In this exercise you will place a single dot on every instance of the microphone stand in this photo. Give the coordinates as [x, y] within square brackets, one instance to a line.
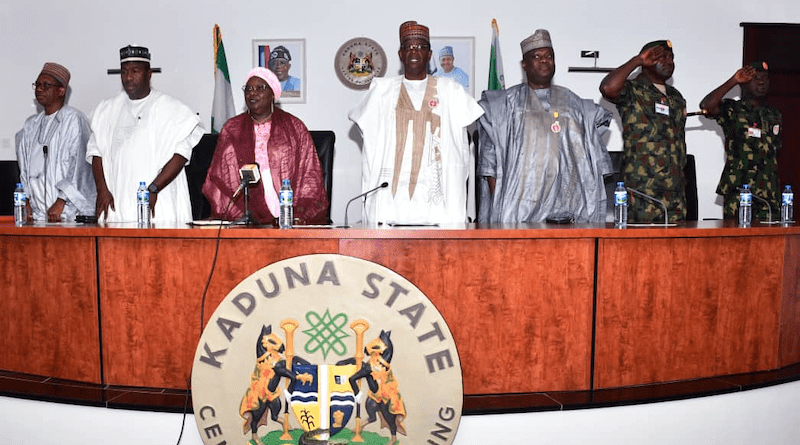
[363, 195]
[46, 209]
[246, 219]
[769, 207]
[666, 217]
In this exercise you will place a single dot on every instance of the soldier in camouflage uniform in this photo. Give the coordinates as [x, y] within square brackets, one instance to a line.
[752, 139]
[653, 121]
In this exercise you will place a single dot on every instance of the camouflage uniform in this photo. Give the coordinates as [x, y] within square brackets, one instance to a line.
[654, 149]
[749, 159]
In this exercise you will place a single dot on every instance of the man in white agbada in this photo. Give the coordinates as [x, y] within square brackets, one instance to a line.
[413, 128]
[142, 135]
[51, 152]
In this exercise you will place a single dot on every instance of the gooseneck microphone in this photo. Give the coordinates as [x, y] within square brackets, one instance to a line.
[46, 208]
[769, 207]
[363, 195]
[644, 195]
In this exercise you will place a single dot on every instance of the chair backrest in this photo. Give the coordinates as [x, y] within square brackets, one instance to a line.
[689, 172]
[9, 177]
[324, 141]
[203, 152]
[196, 171]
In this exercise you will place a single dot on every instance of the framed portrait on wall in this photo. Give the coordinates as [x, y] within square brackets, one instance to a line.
[287, 59]
[454, 57]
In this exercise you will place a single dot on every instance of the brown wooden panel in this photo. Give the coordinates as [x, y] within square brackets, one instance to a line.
[790, 305]
[520, 310]
[151, 290]
[675, 309]
[692, 301]
[49, 307]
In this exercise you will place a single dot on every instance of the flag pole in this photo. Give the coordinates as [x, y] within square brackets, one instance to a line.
[496, 77]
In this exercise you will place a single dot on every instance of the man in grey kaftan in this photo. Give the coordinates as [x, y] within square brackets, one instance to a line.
[541, 147]
[51, 148]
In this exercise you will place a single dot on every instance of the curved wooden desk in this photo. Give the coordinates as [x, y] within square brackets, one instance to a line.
[533, 308]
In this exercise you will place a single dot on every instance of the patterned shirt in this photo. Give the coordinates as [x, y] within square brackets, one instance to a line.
[654, 148]
[752, 141]
[262, 131]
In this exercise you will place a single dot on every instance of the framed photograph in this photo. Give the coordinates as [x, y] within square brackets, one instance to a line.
[454, 57]
[287, 59]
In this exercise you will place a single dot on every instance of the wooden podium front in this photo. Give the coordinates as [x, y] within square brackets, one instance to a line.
[533, 308]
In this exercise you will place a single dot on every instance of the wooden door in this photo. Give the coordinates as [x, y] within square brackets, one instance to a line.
[779, 45]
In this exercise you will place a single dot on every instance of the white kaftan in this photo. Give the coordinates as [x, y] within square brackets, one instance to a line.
[440, 194]
[136, 138]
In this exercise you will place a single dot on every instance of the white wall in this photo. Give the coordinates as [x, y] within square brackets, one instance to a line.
[762, 416]
[85, 36]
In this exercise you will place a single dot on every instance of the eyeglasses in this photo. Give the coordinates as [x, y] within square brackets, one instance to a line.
[44, 86]
[255, 88]
[418, 47]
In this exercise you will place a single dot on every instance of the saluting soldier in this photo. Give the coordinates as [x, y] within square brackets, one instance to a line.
[752, 131]
[653, 131]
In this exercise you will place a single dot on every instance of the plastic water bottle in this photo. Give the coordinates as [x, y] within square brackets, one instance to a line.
[787, 205]
[286, 198]
[745, 206]
[20, 211]
[143, 205]
[620, 206]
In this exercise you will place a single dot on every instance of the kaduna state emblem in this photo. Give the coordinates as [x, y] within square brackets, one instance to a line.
[326, 349]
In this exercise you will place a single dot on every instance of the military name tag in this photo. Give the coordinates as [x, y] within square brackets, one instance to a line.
[753, 132]
[662, 109]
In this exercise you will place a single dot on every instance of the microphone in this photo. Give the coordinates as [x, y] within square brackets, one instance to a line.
[45, 150]
[769, 207]
[383, 185]
[248, 174]
[666, 217]
[697, 113]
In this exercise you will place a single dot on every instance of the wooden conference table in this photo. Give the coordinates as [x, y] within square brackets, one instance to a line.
[533, 308]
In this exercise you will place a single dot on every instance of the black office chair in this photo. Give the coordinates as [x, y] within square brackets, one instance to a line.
[9, 177]
[203, 152]
[196, 171]
[324, 141]
[691, 185]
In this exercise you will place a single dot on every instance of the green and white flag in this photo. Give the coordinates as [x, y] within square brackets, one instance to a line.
[222, 108]
[496, 79]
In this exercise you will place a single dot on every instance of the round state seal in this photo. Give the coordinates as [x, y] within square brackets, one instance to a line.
[326, 349]
[358, 61]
